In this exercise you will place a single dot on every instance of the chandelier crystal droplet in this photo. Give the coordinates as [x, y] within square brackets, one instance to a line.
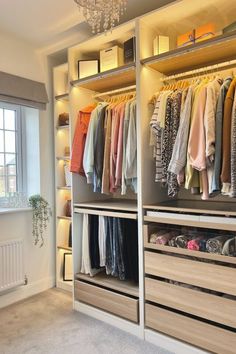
[102, 15]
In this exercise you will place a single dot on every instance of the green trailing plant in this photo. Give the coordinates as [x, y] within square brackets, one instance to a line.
[41, 214]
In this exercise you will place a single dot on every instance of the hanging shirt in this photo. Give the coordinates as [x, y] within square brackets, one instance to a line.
[157, 133]
[218, 143]
[116, 114]
[131, 148]
[125, 182]
[226, 144]
[192, 175]
[99, 150]
[233, 151]
[88, 160]
[107, 148]
[79, 140]
[118, 171]
[179, 156]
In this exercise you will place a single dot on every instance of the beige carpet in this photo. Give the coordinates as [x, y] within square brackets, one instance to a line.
[46, 323]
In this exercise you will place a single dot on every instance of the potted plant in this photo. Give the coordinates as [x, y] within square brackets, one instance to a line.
[41, 214]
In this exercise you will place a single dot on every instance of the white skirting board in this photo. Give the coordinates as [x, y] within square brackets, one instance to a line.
[26, 291]
[115, 321]
[173, 345]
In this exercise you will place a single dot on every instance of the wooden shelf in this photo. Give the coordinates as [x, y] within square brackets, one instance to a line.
[209, 52]
[64, 158]
[62, 97]
[197, 207]
[107, 80]
[187, 252]
[64, 188]
[64, 218]
[109, 282]
[110, 204]
[66, 248]
[61, 127]
[198, 223]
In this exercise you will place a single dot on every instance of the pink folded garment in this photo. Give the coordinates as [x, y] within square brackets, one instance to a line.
[194, 244]
[154, 235]
[163, 239]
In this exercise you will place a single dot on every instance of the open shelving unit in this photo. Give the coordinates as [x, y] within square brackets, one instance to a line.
[211, 51]
[63, 192]
[162, 307]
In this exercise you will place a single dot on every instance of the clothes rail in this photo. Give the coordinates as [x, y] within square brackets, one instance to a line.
[214, 67]
[113, 214]
[113, 92]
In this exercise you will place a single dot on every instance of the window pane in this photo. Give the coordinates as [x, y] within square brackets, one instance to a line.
[1, 118]
[2, 186]
[10, 159]
[10, 142]
[9, 119]
[11, 184]
[1, 141]
[2, 167]
[11, 170]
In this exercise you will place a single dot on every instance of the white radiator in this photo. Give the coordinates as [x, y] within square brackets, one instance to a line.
[11, 264]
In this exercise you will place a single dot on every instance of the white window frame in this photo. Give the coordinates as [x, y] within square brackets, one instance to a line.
[20, 145]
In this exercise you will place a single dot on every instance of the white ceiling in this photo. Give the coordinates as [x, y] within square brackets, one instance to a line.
[44, 22]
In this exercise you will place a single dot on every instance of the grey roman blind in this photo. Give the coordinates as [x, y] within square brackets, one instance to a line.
[25, 92]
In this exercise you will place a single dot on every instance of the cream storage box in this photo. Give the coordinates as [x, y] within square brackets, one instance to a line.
[161, 44]
[87, 68]
[111, 58]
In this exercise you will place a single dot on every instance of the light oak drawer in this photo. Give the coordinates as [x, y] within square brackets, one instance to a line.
[211, 307]
[206, 275]
[107, 300]
[198, 333]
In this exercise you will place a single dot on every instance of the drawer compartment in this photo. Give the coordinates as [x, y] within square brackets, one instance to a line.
[205, 275]
[210, 307]
[107, 300]
[198, 333]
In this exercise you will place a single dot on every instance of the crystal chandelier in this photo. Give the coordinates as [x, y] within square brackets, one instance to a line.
[102, 14]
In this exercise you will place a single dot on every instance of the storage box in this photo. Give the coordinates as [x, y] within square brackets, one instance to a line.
[87, 68]
[186, 39]
[111, 58]
[129, 50]
[161, 44]
[205, 32]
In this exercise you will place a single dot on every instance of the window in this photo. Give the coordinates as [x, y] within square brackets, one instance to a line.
[11, 171]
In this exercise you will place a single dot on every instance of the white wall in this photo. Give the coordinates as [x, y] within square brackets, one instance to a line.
[21, 59]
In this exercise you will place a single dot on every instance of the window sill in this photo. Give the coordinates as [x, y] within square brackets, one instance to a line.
[13, 210]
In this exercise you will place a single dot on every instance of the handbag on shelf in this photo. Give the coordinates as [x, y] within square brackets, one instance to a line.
[63, 119]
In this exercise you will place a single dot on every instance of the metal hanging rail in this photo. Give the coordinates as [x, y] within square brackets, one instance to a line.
[114, 92]
[214, 67]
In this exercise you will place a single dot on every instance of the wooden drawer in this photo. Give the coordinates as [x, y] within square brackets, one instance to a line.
[211, 307]
[107, 300]
[198, 333]
[206, 275]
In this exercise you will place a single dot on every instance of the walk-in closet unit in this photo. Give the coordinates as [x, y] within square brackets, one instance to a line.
[184, 297]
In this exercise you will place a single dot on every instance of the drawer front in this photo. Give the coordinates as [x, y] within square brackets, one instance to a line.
[206, 275]
[211, 307]
[117, 304]
[189, 330]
